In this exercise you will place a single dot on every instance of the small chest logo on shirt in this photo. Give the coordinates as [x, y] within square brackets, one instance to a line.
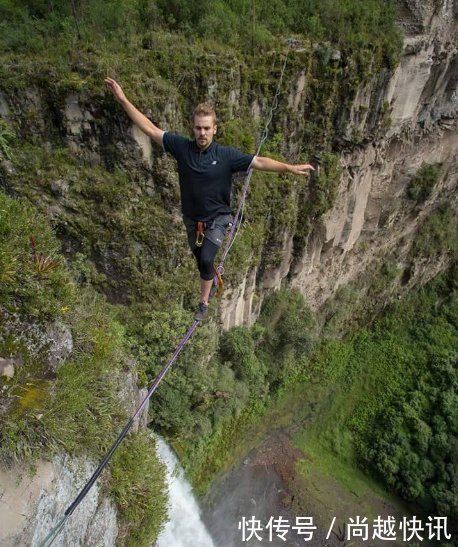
[214, 162]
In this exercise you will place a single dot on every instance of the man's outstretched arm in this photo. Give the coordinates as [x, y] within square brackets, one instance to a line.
[139, 119]
[262, 163]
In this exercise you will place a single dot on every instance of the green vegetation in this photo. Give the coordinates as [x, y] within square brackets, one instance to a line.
[359, 302]
[365, 298]
[7, 138]
[24, 287]
[415, 454]
[218, 385]
[105, 220]
[266, 360]
[115, 209]
[180, 45]
[118, 218]
[75, 405]
[199, 401]
[136, 483]
[355, 386]
[422, 184]
[365, 25]
[136, 243]
[198, 405]
[437, 235]
[80, 404]
[318, 198]
[393, 390]
[84, 403]
[188, 398]
[415, 450]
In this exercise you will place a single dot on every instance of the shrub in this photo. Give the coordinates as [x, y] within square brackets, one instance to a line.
[366, 25]
[138, 486]
[421, 186]
[237, 347]
[25, 286]
[7, 138]
[437, 234]
[412, 454]
[220, 23]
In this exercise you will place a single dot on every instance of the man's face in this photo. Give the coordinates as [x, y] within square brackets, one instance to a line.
[204, 130]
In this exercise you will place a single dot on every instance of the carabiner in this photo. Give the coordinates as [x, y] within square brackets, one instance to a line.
[199, 233]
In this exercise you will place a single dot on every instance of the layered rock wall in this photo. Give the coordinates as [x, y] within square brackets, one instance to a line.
[31, 507]
[414, 111]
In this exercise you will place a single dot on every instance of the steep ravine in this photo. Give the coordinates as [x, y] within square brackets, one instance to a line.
[397, 123]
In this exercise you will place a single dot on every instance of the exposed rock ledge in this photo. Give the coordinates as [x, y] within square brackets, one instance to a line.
[31, 506]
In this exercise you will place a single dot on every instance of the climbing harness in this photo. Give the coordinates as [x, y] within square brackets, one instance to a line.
[49, 539]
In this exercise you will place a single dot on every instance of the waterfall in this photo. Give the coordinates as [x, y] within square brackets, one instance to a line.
[185, 527]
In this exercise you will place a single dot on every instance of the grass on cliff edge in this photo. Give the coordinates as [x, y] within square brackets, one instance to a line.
[365, 25]
[73, 406]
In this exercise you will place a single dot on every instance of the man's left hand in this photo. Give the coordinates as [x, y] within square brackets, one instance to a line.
[267, 164]
[303, 169]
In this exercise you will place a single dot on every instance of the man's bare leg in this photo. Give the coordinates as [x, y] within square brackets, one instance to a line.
[205, 287]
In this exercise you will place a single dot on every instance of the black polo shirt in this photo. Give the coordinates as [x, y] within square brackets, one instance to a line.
[205, 175]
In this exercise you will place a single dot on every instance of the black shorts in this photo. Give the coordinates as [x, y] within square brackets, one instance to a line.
[215, 229]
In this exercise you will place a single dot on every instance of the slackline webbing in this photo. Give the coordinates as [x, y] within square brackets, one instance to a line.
[49, 539]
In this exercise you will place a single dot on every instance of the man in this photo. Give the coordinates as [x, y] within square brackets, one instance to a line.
[205, 171]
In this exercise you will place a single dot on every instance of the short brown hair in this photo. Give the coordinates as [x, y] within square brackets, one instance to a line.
[204, 109]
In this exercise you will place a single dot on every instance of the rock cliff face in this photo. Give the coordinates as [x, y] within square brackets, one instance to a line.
[31, 507]
[412, 114]
[396, 122]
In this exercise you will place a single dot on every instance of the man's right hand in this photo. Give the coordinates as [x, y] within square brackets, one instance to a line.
[139, 119]
[116, 89]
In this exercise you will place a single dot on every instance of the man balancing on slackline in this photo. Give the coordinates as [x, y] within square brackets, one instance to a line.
[205, 171]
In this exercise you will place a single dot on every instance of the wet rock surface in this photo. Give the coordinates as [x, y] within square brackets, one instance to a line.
[266, 484]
